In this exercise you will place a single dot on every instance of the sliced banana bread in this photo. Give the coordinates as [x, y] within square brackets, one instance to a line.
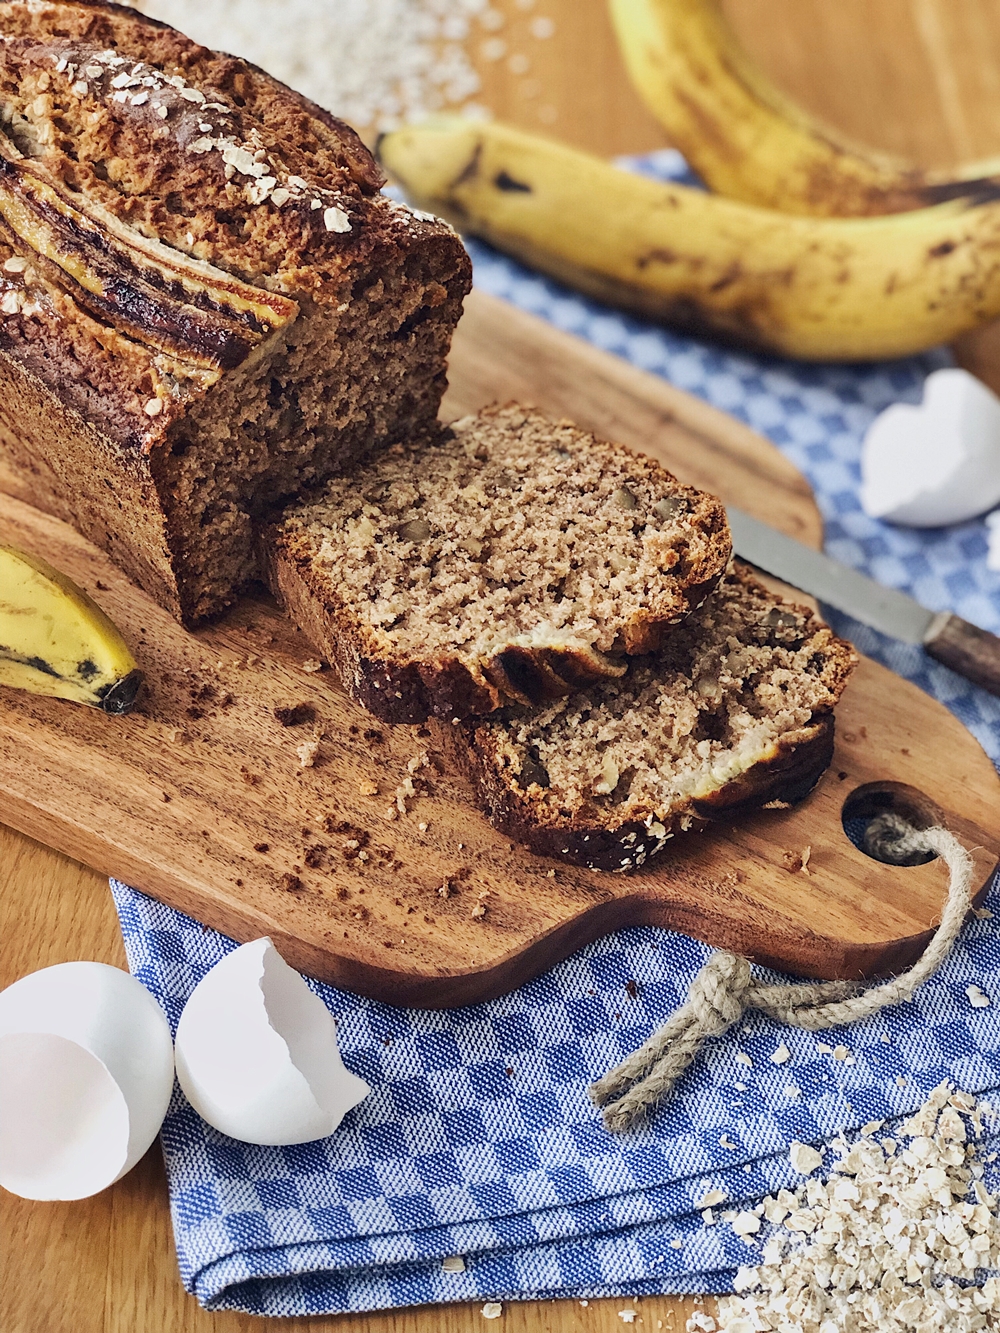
[206, 305]
[734, 712]
[511, 558]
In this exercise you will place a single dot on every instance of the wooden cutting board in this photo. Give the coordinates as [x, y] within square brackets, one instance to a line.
[200, 799]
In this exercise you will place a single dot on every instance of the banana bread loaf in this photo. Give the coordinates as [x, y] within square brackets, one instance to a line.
[206, 305]
[734, 712]
[512, 558]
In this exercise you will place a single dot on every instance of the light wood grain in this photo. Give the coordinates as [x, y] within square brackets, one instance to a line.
[107, 1265]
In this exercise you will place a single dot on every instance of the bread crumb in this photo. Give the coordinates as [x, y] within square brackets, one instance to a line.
[479, 910]
[492, 1310]
[308, 752]
[781, 1056]
[311, 665]
[454, 1263]
[293, 715]
[367, 788]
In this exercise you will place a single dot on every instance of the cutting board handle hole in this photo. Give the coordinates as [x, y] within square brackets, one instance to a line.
[879, 798]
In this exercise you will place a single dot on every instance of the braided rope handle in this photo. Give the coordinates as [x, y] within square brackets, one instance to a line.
[725, 989]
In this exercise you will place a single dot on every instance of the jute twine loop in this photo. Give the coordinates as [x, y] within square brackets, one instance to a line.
[725, 988]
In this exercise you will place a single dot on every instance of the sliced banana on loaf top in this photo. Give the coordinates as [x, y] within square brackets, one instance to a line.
[512, 558]
[735, 712]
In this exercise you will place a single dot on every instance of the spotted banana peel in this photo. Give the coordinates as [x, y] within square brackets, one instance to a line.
[747, 140]
[830, 289]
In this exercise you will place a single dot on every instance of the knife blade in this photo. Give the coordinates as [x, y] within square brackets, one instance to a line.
[965, 648]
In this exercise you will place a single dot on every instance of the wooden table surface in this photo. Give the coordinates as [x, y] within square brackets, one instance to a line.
[918, 76]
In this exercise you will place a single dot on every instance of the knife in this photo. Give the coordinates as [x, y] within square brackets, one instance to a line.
[974, 653]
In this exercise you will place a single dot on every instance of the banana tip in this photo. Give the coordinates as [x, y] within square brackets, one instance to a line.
[121, 696]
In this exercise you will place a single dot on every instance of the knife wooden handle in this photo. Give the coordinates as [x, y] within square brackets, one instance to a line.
[973, 652]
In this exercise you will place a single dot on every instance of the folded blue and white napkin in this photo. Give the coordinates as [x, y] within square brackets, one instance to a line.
[478, 1138]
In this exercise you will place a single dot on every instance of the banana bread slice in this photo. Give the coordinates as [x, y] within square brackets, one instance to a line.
[512, 558]
[206, 305]
[736, 711]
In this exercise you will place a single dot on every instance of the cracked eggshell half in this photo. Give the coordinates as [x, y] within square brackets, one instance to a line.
[257, 1052]
[86, 1072]
[936, 464]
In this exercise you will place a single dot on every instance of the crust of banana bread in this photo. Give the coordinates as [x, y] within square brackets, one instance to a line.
[206, 305]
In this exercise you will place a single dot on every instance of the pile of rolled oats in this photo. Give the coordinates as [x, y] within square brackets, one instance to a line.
[376, 63]
[899, 1236]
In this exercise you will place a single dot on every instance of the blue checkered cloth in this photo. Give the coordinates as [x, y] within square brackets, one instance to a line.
[478, 1138]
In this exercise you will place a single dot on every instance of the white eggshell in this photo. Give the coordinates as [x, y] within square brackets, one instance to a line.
[936, 464]
[86, 1072]
[993, 541]
[257, 1052]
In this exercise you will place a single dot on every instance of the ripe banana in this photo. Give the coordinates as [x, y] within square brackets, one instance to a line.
[817, 288]
[54, 640]
[747, 140]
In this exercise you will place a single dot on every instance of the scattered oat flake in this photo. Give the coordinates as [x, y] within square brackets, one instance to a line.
[742, 1059]
[977, 998]
[983, 913]
[676, 1243]
[804, 1158]
[840, 1052]
[712, 1198]
[889, 1242]
[492, 1310]
[746, 1224]
[726, 1142]
[335, 219]
[627, 1316]
[453, 1264]
[781, 1056]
